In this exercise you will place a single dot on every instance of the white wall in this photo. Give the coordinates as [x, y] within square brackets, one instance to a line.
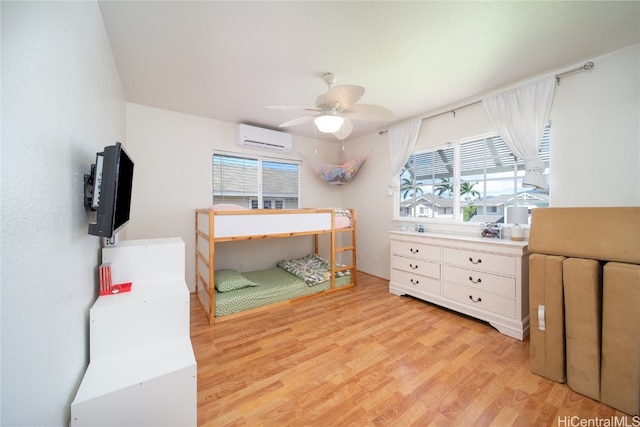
[173, 153]
[62, 101]
[595, 145]
[367, 193]
[595, 149]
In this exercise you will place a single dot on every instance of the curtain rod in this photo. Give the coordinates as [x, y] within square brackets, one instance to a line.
[453, 110]
[586, 67]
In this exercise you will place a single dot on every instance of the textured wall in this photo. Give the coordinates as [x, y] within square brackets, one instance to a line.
[62, 101]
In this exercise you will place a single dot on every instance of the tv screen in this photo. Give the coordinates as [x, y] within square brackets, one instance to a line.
[111, 180]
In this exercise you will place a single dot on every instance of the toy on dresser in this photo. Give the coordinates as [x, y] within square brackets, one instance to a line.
[491, 229]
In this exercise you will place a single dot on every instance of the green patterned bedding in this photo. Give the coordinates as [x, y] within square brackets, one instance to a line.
[275, 285]
[313, 269]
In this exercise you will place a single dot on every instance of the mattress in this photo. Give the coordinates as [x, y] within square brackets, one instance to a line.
[620, 385]
[547, 316]
[603, 233]
[342, 218]
[583, 314]
[276, 285]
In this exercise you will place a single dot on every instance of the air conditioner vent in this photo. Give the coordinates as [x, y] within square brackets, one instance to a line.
[264, 139]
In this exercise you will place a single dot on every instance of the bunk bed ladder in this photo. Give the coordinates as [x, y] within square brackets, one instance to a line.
[352, 247]
[333, 251]
[208, 261]
[212, 271]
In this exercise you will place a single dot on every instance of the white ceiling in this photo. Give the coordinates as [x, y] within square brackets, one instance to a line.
[228, 60]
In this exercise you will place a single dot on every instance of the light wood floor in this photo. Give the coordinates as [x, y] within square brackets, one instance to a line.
[364, 357]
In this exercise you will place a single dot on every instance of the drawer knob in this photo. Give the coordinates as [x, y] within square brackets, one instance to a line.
[479, 261]
[413, 267]
[475, 300]
[415, 282]
[414, 251]
[475, 281]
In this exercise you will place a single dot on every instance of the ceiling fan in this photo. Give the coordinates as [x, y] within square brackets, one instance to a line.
[337, 107]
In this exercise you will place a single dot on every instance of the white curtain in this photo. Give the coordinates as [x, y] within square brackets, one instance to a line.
[520, 116]
[402, 141]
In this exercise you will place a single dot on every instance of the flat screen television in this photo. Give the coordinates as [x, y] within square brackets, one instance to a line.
[108, 190]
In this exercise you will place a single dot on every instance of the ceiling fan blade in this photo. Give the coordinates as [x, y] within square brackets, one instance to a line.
[345, 130]
[344, 96]
[292, 107]
[369, 112]
[297, 121]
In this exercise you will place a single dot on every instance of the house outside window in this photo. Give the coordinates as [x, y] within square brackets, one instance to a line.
[473, 180]
[256, 182]
[268, 204]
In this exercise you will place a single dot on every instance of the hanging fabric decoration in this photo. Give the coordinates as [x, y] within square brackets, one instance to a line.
[340, 174]
[337, 174]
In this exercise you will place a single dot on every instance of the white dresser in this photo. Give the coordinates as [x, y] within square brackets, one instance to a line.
[481, 277]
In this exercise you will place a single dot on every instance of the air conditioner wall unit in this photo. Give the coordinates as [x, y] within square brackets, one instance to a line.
[264, 139]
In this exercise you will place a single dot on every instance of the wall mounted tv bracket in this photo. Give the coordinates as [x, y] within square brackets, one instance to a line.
[93, 184]
[90, 190]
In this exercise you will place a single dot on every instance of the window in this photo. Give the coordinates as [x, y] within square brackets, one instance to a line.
[473, 181]
[257, 183]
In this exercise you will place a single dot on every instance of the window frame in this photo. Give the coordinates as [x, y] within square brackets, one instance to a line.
[457, 220]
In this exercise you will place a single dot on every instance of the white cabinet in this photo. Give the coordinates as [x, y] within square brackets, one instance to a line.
[483, 278]
[142, 370]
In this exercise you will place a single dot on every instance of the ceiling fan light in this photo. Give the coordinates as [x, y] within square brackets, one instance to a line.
[328, 123]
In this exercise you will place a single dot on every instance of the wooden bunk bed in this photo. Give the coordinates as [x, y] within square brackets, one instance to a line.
[275, 286]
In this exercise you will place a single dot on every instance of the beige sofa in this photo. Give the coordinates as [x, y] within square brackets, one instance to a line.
[584, 286]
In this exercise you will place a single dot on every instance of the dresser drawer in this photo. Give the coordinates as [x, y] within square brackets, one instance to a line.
[491, 263]
[416, 250]
[480, 280]
[480, 299]
[416, 266]
[412, 280]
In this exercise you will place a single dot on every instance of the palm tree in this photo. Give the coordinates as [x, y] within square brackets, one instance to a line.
[408, 185]
[467, 190]
[445, 186]
[408, 188]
